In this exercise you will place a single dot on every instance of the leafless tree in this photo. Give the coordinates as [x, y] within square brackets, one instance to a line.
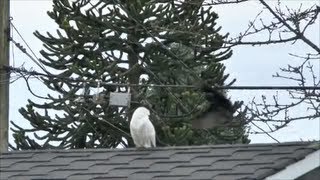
[288, 25]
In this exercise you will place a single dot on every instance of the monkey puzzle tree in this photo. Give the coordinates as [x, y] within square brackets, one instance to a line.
[126, 42]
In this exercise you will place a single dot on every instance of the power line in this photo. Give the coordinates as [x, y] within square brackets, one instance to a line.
[22, 49]
[14, 27]
[35, 73]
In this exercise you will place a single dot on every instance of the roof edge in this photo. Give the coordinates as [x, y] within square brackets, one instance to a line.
[297, 169]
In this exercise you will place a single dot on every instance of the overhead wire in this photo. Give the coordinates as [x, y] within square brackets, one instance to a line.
[25, 42]
[33, 57]
[36, 73]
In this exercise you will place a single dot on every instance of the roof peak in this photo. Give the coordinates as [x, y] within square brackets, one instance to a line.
[314, 144]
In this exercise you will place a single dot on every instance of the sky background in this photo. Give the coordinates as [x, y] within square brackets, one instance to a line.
[251, 66]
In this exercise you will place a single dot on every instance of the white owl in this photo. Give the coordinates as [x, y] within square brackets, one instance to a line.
[141, 129]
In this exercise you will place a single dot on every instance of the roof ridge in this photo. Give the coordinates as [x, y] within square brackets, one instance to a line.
[313, 144]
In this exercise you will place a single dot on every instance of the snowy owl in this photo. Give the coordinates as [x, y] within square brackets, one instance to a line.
[141, 129]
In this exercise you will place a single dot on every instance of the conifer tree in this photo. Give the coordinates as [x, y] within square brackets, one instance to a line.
[126, 42]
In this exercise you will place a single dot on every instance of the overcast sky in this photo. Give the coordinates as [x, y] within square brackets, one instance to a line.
[249, 65]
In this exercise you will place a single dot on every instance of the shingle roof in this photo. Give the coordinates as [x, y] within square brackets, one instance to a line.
[253, 161]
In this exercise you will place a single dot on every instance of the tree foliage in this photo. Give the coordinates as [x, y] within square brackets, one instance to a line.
[127, 42]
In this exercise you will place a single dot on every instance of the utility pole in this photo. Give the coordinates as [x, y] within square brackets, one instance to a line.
[4, 74]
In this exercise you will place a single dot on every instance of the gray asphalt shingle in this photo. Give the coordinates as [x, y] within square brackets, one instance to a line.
[253, 161]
